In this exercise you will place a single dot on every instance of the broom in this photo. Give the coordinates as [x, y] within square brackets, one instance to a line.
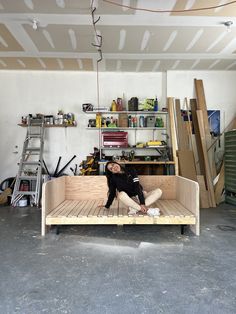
[6, 193]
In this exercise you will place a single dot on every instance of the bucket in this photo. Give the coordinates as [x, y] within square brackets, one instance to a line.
[23, 202]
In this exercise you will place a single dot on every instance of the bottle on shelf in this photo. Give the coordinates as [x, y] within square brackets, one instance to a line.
[119, 104]
[129, 121]
[113, 105]
[156, 104]
[141, 121]
[98, 120]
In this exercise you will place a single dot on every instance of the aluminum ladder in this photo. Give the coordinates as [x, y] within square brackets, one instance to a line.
[30, 166]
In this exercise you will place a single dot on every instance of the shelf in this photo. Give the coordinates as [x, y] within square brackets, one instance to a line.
[141, 162]
[125, 128]
[128, 112]
[52, 125]
[123, 148]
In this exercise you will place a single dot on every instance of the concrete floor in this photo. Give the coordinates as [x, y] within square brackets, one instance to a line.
[115, 270]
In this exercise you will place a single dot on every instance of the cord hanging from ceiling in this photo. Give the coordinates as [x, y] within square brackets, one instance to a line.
[169, 11]
[98, 44]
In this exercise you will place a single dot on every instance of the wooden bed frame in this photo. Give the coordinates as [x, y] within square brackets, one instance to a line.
[75, 200]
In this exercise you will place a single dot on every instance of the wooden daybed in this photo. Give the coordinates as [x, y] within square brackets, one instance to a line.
[75, 200]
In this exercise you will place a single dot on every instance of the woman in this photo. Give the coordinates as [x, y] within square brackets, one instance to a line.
[126, 183]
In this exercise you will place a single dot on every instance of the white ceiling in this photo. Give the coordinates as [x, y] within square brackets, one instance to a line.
[132, 39]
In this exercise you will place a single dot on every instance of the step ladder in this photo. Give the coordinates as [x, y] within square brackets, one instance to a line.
[29, 177]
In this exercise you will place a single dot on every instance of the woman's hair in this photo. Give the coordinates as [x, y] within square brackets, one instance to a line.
[109, 174]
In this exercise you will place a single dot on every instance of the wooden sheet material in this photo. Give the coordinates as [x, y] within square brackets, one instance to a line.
[170, 102]
[201, 103]
[182, 132]
[187, 167]
[209, 180]
[220, 184]
[193, 104]
[204, 197]
[90, 212]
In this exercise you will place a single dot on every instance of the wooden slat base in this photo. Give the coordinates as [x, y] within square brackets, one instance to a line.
[88, 212]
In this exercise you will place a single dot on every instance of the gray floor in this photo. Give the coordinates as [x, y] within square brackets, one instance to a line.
[109, 269]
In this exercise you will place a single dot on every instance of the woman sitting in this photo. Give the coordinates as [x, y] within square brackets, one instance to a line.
[124, 183]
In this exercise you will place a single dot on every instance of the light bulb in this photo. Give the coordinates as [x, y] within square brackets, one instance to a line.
[35, 25]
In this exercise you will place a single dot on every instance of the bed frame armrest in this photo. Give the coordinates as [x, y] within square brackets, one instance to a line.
[187, 193]
[53, 193]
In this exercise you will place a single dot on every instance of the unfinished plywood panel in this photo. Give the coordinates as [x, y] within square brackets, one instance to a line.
[220, 184]
[204, 197]
[165, 183]
[187, 164]
[170, 102]
[201, 105]
[187, 193]
[193, 104]
[182, 135]
[206, 160]
[86, 187]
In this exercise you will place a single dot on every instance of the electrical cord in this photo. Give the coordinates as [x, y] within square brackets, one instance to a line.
[169, 11]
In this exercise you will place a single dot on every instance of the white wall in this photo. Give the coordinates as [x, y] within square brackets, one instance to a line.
[33, 92]
[219, 87]
[46, 92]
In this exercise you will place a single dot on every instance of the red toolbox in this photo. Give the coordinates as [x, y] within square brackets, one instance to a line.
[115, 139]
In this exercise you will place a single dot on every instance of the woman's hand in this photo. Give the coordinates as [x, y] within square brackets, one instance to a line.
[143, 208]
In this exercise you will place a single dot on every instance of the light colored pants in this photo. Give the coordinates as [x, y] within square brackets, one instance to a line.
[150, 198]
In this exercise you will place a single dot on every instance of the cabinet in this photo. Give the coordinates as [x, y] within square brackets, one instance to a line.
[143, 137]
[230, 167]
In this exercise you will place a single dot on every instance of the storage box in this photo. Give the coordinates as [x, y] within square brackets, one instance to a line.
[150, 121]
[123, 120]
[115, 139]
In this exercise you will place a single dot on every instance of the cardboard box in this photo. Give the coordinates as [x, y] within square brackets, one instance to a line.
[123, 120]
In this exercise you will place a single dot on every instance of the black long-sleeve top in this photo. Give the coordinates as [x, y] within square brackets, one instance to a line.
[127, 182]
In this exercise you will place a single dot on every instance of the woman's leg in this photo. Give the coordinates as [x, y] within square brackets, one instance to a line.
[152, 197]
[126, 200]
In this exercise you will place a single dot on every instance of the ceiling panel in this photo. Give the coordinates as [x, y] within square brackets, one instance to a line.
[46, 64]
[132, 40]
[7, 40]
[62, 7]
[229, 10]
[59, 38]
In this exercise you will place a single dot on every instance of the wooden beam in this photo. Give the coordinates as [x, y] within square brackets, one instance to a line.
[201, 103]
[170, 103]
[220, 184]
[206, 160]
[193, 104]
[182, 134]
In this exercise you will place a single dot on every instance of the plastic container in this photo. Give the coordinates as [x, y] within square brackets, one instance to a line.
[23, 202]
[113, 106]
[141, 121]
[156, 104]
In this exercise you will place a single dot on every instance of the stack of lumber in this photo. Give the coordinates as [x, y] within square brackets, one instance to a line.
[195, 150]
